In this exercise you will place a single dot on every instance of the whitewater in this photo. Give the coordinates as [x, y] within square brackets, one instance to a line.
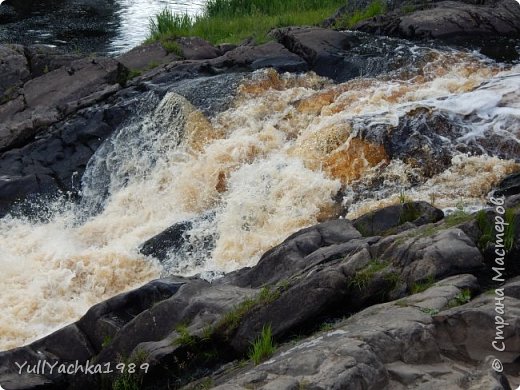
[286, 154]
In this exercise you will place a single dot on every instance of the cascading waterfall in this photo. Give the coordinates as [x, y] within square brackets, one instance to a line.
[274, 162]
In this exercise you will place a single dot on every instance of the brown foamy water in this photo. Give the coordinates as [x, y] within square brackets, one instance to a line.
[268, 166]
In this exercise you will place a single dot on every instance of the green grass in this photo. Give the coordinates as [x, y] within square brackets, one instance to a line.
[263, 347]
[131, 380]
[457, 218]
[126, 382]
[409, 213]
[233, 21]
[362, 278]
[326, 327]
[430, 311]
[106, 341]
[184, 336]
[461, 298]
[486, 228]
[423, 285]
[376, 7]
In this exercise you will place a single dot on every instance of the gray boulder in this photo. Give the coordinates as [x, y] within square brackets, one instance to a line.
[384, 220]
[48, 98]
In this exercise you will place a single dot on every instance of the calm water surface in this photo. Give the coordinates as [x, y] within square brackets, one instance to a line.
[106, 26]
[134, 16]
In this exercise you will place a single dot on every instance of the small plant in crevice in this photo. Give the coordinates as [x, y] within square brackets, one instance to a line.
[184, 337]
[409, 213]
[457, 218]
[486, 228]
[433, 198]
[232, 318]
[326, 326]
[403, 198]
[263, 347]
[268, 295]
[106, 341]
[461, 298]
[429, 311]
[132, 376]
[402, 303]
[394, 279]
[423, 285]
[362, 278]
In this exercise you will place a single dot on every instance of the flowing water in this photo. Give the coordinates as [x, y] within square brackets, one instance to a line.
[288, 152]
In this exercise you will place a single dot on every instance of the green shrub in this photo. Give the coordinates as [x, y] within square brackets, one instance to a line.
[263, 347]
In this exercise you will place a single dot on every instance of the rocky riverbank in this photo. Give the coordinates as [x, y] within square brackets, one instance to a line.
[409, 303]
[401, 297]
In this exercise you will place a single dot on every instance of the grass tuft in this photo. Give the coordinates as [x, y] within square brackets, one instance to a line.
[263, 347]
[423, 285]
[461, 298]
[184, 338]
[362, 278]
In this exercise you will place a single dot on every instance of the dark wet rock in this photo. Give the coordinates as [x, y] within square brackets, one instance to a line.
[210, 94]
[44, 59]
[324, 50]
[169, 240]
[269, 54]
[449, 20]
[225, 47]
[465, 332]
[393, 345]
[429, 252]
[13, 188]
[14, 71]
[7, 13]
[146, 56]
[50, 97]
[54, 163]
[194, 48]
[383, 220]
[104, 320]
[282, 261]
[509, 186]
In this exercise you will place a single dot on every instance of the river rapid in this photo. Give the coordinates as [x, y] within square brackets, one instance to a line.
[291, 150]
